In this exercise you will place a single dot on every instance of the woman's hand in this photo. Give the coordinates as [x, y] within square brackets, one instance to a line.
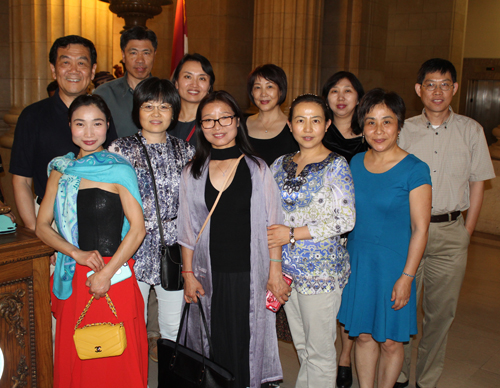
[279, 288]
[277, 236]
[192, 287]
[401, 292]
[99, 284]
[91, 259]
[53, 258]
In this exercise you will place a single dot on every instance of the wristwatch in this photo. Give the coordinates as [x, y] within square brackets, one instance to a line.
[292, 237]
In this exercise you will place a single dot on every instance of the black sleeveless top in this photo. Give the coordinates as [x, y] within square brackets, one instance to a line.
[335, 142]
[271, 149]
[100, 221]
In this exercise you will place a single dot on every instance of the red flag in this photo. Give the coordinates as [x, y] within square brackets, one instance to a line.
[180, 43]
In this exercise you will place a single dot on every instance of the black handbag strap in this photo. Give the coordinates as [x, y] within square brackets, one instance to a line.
[155, 192]
[185, 313]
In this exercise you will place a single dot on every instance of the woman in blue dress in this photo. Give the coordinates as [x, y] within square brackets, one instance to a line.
[317, 198]
[393, 207]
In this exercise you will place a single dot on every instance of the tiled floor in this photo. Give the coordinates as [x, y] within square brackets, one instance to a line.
[473, 353]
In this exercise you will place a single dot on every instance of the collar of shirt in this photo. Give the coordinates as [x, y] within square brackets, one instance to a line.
[427, 123]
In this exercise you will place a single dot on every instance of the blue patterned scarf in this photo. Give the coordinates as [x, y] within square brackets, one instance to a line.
[101, 166]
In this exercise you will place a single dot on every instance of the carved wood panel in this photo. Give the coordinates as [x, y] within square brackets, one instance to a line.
[17, 328]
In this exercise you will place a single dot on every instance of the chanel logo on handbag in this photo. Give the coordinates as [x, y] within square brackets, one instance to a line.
[110, 337]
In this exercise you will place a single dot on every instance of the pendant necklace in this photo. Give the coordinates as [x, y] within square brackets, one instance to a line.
[223, 172]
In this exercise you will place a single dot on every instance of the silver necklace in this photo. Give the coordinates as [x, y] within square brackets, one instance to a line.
[223, 172]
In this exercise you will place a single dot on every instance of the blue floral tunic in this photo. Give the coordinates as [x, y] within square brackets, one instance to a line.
[321, 197]
[167, 159]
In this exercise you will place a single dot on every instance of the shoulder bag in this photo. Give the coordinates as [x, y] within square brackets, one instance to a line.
[179, 366]
[170, 255]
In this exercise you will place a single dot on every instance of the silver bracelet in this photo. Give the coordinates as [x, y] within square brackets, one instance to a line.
[410, 276]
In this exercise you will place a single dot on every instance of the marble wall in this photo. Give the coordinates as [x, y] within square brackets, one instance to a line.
[419, 30]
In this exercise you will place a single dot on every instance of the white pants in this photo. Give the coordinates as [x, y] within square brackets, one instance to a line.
[169, 309]
[313, 324]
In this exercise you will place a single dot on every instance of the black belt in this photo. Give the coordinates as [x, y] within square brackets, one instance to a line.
[446, 217]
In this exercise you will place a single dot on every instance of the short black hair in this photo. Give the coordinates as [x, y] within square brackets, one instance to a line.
[156, 89]
[86, 100]
[272, 73]
[436, 65]
[203, 146]
[379, 96]
[310, 98]
[358, 87]
[205, 65]
[65, 41]
[138, 33]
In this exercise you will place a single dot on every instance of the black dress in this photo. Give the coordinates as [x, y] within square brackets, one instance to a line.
[335, 142]
[272, 149]
[184, 130]
[230, 261]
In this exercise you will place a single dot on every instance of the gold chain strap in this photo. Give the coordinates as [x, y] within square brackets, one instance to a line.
[84, 312]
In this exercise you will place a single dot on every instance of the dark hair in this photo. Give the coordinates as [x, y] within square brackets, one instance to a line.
[379, 96]
[87, 100]
[156, 89]
[272, 73]
[52, 87]
[309, 98]
[203, 146]
[358, 87]
[138, 33]
[436, 65]
[65, 41]
[205, 65]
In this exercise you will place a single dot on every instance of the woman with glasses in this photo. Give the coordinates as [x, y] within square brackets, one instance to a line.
[230, 266]
[267, 130]
[156, 108]
[193, 78]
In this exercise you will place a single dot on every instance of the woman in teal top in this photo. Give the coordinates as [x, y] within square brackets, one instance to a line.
[393, 207]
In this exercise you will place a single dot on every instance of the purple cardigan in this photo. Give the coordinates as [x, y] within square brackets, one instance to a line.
[265, 210]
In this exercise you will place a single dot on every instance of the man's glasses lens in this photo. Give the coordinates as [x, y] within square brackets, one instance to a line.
[445, 86]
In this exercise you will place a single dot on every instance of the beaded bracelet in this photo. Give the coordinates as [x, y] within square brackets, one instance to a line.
[410, 276]
[187, 272]
[276, 260]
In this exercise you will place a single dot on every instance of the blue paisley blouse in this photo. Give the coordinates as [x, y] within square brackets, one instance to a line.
[167, 159]
[321, 197]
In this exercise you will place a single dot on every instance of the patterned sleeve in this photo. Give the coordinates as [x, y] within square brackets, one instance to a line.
[341, 216]
[116, 147]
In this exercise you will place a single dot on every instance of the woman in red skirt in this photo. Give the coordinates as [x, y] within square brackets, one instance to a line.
[95, 201]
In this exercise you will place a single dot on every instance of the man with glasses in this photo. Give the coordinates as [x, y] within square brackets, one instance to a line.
[455, 149]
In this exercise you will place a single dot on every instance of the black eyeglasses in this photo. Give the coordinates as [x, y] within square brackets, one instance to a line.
[224, 121]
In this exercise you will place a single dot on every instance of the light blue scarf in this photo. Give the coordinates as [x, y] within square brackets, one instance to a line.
[101, 166]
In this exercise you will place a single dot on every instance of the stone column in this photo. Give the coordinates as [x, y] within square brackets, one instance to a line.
[34, 27]
[288, 33]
